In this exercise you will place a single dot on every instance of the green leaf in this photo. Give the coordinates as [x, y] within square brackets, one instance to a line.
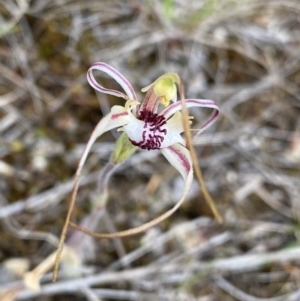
[123, 149]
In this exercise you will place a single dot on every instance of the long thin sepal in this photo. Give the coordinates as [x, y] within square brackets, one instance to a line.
[180, 158]
[177, 106]
[116, 118]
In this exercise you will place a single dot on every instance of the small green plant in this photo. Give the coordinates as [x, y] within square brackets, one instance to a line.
[168, 8]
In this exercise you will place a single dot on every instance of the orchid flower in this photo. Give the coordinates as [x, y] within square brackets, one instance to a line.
[144, 127]
[147, 129]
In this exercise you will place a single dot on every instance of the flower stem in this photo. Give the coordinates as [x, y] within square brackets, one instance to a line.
[190, 146]
[100, 203]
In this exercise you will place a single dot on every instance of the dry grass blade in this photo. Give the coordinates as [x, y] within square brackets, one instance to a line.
[198, 173]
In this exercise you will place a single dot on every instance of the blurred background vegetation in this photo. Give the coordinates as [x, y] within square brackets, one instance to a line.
[243, 54]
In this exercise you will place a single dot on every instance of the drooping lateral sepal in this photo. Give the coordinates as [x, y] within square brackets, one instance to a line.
[180, 158]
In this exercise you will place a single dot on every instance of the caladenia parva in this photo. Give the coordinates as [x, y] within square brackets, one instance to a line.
[146, 127]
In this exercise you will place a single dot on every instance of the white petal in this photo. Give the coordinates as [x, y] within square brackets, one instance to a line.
[116, 118]
[174, 129]
[175, 122]
[134, 128]
[171, 137]
[138, 131]
[179, 156]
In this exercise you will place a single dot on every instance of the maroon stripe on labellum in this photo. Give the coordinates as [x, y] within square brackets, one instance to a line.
[182, 159]
[153, 125]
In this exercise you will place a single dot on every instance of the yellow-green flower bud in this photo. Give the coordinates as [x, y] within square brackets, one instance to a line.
[165, 88]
